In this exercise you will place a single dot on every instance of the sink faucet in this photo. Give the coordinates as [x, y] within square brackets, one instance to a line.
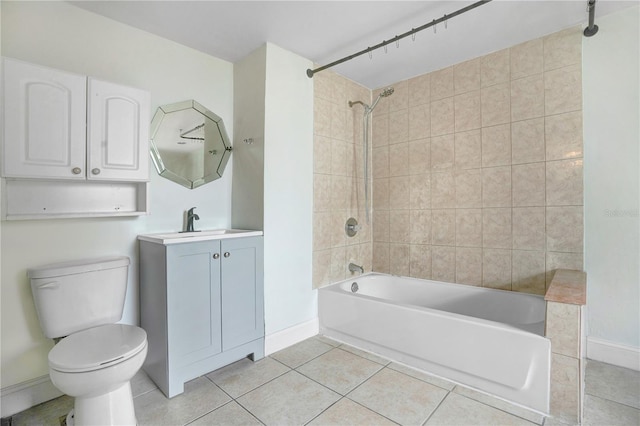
[190, 218]
[356, 268]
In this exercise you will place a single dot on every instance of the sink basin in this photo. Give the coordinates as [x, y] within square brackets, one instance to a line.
[183, 237]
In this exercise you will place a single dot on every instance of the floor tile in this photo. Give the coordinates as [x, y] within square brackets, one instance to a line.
[291, 399]
[529, 415]
[364, 354]
[399, 397]
[553, 421]
[141, 383]
[346, 412]
[245, 375]
[200, 397]
[296, 355]
[614, 383]
[229, 414]
[598, 412]
[425, 377]
[47, 413]
[459, 410]
[339, 370]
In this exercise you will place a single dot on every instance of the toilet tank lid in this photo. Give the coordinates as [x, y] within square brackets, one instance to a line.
[78, 267]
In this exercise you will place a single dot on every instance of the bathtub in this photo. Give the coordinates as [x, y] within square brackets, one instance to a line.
[489, 340]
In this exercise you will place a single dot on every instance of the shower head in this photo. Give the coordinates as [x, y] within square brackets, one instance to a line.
[386, 92]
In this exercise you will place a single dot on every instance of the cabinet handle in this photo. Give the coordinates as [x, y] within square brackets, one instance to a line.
[95, 171]
[76, 170]
[216, 255]
[227, 254]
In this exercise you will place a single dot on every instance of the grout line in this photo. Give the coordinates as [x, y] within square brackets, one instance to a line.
[436, 409]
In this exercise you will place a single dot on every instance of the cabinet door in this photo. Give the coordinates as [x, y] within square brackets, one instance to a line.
[117, 132]
[44, 122]
[242, 291]
[193, 301]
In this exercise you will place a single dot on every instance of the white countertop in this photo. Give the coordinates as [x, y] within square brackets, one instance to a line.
[189, 237]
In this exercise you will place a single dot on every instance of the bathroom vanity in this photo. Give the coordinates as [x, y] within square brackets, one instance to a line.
[201, 303]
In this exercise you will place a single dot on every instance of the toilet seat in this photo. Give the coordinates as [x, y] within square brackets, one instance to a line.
[97, 348]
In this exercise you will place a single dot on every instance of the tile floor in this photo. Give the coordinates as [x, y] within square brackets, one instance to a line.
[322, 382]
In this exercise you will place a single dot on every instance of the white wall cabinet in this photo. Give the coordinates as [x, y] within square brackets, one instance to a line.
[61, 128]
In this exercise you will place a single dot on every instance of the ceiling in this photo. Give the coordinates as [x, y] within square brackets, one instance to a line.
[324, 31]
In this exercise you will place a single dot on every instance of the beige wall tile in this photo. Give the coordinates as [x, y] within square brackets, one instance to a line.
[338, 122]
[496, 228]
[321, 154]
[565, 388]
[467, 109]
[496, 145]
[528, 271]
[495, 68]
[380, 162]
[321, 268]
[528, 228]
[338, 85]
[419, 156]
[527, 98]
[322, 117]
[563, 48]
[528, 184]
[496, 186]
[442, 152]
[420, 191]
[469, 266]
[420, 121]
[322, 85]
[350, 155]
[399, 100]
[468, 149]
[563, 135]
[526, 59]
[528, 141]
[420, 227]
[339, 192]
[380, 130]
[420, 261]
[468, 227]
[338, 157]
[466, 76]
[399, 259]
[496, 268]
[443, 190]
[398, 126]
[420, 90]
[564, 183]
[496, 104]
[338, 264]
[442, 116]
[399, 193]
[381, 257]
[557, 260]
[399, 227]
[380, 194]
[563, 90]
[563, 328]
[321, 230]
[443, 227]
[468, 188]
[443, 263]
[381, 225]
[321, 192]
[565, 229]
[336, 230]
[399, 159]
[442, 83]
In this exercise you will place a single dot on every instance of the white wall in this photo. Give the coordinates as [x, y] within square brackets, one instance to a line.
[612, 183]
[288, 191]
[59, 35]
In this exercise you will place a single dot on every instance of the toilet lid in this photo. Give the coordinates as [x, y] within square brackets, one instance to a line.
[97, 347]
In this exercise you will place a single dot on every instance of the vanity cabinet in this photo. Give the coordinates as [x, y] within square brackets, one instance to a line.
[201, 306]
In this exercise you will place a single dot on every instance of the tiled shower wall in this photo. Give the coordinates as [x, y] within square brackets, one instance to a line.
[477, 169]
[338, 184]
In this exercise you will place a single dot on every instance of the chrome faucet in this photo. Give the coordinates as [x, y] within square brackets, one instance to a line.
[356, 268]
[191, 216]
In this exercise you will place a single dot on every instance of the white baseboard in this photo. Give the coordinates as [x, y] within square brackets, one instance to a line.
[290, 336]
[22, 396]
[613, 353]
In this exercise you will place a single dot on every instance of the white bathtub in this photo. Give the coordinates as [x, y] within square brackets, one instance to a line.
[490, 340]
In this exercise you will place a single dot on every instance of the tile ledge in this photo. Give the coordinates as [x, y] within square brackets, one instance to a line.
[568, 286]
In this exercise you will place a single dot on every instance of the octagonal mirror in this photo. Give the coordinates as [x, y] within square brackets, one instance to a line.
[189, 144]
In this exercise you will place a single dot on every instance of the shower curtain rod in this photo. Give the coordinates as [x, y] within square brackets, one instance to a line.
[445, 18]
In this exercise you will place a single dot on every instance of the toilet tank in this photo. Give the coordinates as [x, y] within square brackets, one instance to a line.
[77, 295]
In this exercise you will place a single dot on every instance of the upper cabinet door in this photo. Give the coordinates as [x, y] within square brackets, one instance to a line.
[117, 132]
[44, 122]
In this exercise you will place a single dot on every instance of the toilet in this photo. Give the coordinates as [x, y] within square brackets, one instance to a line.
[94, 359]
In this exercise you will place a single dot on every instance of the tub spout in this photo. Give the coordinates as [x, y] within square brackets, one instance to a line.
[356, 268]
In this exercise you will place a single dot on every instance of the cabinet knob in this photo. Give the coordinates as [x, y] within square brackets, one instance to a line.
[216, 255]
[95, 171]
[227, 254]
[76, 170]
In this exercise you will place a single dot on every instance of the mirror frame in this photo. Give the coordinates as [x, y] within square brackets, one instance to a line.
[156, 125]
